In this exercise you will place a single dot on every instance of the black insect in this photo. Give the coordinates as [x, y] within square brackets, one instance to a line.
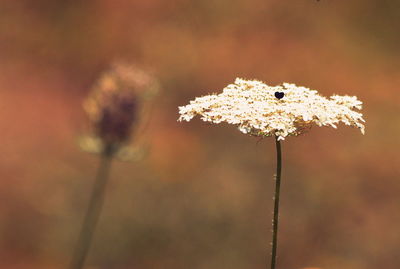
[279, 95]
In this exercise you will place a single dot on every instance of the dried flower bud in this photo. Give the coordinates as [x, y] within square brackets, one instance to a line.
[115, 104]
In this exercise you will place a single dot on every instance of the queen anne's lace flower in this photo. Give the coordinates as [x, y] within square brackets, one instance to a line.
[281, 111]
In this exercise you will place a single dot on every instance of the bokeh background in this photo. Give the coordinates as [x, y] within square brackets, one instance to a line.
[202, 196]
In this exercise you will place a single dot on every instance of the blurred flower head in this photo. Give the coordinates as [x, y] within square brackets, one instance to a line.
[284, 110]
[114, 107]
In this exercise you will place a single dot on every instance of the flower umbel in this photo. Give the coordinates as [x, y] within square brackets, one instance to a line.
[281, 111]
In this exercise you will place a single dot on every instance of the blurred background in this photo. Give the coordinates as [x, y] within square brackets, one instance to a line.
[202, 196]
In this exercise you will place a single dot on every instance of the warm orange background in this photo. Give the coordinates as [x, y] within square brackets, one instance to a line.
[202, 198]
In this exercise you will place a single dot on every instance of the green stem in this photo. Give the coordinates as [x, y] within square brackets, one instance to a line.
[276, 202]
[93, 212]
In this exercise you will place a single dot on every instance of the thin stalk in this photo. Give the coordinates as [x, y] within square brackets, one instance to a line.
[93, 212]
[276, 202]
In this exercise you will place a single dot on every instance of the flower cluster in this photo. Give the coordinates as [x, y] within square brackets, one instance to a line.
[281, 111]
[114, 105]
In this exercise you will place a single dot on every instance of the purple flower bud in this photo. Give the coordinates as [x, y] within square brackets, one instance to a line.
[115, 103]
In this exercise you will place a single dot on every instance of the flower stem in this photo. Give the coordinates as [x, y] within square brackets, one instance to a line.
[93, 212]
[276, 202]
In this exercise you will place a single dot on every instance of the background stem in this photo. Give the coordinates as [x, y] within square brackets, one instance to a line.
[276, 202]
[93, 212]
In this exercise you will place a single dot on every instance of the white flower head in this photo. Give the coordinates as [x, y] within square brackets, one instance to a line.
[284, 110]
